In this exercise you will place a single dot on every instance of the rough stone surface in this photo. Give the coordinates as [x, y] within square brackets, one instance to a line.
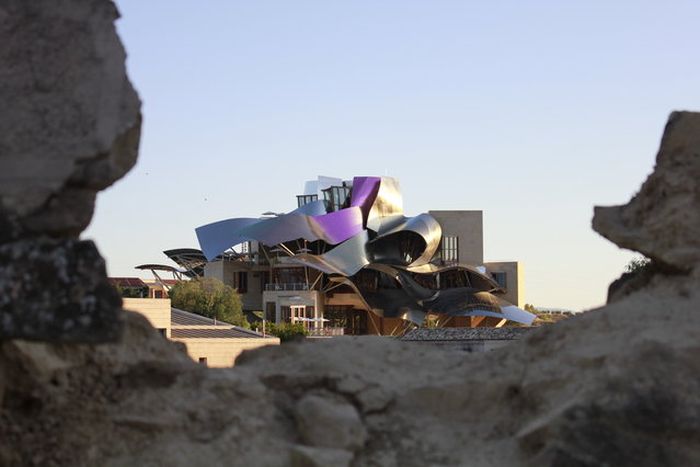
[56, 288]
[69, 127]
[663, 220]
[70, 122]
[305, 456]
[329, 422]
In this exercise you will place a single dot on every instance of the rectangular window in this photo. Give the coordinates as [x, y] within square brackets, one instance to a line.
[163, 332]
[450, 249]
[337, 197]
[306, 199]
[501, 279]
[286, 314]
[264, 279]
[203, 361]
[270, 311]
[240, 281]
[157, 294]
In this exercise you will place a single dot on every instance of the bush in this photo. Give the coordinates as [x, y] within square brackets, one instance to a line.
[287, 331]
[209, 297]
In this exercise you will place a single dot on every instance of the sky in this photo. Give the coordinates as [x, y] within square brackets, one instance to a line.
[533, 112]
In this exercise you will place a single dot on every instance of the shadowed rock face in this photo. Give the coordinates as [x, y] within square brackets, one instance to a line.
[69, 127]
[617, 386]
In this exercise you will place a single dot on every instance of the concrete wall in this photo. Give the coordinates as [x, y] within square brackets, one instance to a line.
[514, 280]
[222, 352]
[469, 227]
[156, 310]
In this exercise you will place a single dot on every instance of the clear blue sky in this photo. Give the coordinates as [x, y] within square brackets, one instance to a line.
[533, 112]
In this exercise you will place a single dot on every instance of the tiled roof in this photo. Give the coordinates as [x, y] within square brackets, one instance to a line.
[189, 325]
[465, 334]
[210, 333]
[184, 318]
[127, 282]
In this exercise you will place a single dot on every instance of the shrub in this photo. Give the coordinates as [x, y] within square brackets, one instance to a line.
[287, 331]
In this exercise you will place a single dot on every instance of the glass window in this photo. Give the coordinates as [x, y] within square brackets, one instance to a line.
[240, 281]
[450, 249]
[270, 311]
[501, 279]
[286, 314]
[306, 199]
[337, 197]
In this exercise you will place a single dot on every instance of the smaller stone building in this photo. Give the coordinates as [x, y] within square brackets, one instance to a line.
[210, 342]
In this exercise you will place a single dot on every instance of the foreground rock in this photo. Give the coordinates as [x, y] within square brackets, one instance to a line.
[69, 127]
[617, 386]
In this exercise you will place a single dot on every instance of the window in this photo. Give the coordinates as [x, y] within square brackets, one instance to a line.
[203, 361]
[240, 281]
[157, 294]
[245, 248]
[163, 332]
[500, 278]
[450, 249]
[306, 199]
[286, 314]
[337, 197]
[270, 311]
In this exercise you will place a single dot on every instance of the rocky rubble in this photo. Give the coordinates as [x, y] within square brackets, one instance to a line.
[617, 386]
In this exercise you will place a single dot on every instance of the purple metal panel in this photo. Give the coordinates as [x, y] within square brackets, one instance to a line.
[364, 192]
[336, 227]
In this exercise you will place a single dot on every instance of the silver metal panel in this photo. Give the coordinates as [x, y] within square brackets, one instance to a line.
[217, 237]
[423, 224]
[345, 259]
[388, 202]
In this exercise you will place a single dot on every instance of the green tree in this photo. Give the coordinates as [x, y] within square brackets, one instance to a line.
[209, 297]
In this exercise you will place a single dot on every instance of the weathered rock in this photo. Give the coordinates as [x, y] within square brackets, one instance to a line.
[54, 289]
[70, 127]
[663, 220]
[329, 422]
[70, 120]
[305, 456]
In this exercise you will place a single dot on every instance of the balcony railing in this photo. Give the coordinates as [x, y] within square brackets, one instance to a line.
[326, 331]
[286, 286]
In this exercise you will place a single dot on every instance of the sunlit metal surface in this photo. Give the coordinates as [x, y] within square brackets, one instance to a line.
[424, 225]
[345, 259]
[387, 203]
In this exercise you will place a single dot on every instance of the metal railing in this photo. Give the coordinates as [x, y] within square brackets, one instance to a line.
[326, 331]
[286, 286]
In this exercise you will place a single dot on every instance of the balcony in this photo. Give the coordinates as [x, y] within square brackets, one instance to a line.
[286, 286]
